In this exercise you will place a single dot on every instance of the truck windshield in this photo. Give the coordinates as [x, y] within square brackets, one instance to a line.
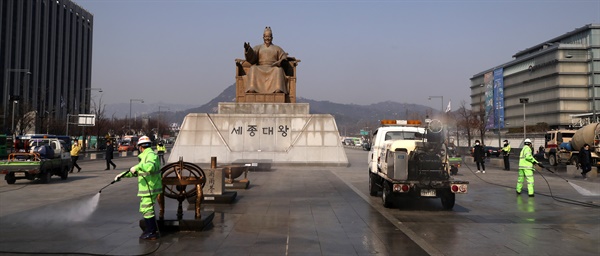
[402, 135]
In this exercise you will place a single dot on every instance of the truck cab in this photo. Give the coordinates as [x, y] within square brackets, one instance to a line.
[391, 131]
[555, 142]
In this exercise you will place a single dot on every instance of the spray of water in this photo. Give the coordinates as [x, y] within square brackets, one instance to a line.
[57, 214]
[582, 190]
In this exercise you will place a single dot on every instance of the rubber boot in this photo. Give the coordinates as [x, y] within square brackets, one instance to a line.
[146, 229]
[151, 231]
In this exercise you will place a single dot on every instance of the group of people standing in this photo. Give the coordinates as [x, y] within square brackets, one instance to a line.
[527, 162]
[109, 155]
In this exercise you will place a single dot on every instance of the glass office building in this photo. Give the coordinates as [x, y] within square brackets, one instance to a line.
[45, 60]
[553, 82]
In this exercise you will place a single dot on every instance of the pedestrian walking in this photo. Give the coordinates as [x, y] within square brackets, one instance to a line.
[149, 185]
[160, 150]
[109, 155]
[526, 162]
[479, 156]
[506, 155]
[74, 156]
[585, 160]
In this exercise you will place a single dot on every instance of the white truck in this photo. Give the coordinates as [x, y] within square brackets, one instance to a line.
[408, 160]
[40, 159]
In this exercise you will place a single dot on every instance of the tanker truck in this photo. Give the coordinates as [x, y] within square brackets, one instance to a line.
[562, 146]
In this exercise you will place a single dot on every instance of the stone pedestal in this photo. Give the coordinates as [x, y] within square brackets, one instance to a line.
[172, 224]
[280, 133]
[238, 184]
[214, 188]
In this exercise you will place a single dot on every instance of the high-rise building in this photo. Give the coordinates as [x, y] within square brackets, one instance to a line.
[554, 82]
[45, 62]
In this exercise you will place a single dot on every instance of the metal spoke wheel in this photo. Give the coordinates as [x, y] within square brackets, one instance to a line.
[184, 172]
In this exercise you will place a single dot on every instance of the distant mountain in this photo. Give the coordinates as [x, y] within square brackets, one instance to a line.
[121, 110]
[350, 118]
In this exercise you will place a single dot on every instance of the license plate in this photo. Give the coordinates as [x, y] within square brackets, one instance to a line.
[428, 192]
[19, 174]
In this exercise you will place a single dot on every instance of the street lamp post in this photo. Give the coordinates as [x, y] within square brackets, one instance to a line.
[13, 115]
[90, 90]
[524, 101]
[129, 119]
[158, 125]
[6, 90]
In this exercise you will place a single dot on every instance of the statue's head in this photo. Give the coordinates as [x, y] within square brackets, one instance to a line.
[268, 36]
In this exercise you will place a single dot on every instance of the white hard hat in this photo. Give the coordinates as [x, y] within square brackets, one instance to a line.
[527, 141]
[144, 140]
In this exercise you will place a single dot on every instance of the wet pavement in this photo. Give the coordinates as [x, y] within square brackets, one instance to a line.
[308, 211]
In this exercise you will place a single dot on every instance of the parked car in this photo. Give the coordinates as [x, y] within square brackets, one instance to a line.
[491, 151]
[126, 146]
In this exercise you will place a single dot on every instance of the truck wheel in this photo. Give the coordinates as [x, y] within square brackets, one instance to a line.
[46, 176]
[10, 178]
[373, 190]
[65, 173]
[552, 160]
[448, 199]
[386, 196]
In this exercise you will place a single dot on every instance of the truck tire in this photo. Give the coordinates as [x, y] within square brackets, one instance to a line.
[373, 188]
[10, 178]
[552, 160]
[64, 174]
[387, 196]
[448, 199]
[45, 176]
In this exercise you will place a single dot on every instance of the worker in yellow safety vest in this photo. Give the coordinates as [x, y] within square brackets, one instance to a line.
[506, 155]
[149, 185]
[526, 162]
[161, 150]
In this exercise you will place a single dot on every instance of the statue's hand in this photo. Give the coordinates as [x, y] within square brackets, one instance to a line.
[246, 45]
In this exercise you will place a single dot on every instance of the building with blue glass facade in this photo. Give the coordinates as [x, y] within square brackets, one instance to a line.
[553, 82]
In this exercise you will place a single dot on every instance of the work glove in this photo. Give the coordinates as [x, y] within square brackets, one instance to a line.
[540, 165]
[133, 171]
[119, 176]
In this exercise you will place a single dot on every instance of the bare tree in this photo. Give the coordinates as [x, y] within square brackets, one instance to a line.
[465, 120]
[102, 123]
[25, 121]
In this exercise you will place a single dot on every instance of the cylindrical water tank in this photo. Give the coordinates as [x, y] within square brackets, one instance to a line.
[585, 135]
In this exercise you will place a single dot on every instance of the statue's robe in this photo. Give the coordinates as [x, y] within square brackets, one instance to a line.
[263, 77]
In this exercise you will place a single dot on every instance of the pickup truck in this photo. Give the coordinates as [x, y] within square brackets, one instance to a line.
[46, 157]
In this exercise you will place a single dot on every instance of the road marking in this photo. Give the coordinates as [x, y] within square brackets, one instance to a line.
[406, 230]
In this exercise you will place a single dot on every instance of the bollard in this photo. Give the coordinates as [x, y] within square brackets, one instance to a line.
[213, 162]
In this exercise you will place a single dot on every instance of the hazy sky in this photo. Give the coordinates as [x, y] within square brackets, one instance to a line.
[362, 52]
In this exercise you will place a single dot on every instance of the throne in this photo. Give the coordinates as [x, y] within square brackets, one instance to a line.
[289, 68]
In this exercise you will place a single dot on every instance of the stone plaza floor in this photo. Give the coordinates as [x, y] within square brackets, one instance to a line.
[306, 211]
